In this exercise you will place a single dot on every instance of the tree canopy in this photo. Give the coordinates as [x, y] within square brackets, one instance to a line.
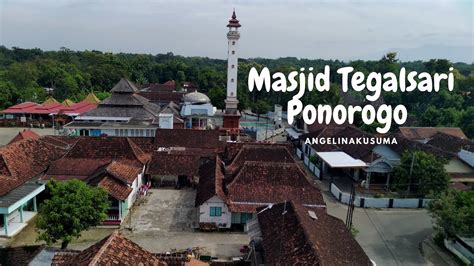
[25, 72]
[72, 208]
[453, 214]
[420, 173]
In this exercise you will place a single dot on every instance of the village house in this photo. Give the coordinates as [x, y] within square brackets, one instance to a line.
[354, 160]
[259, 175]
[458, 152]
[110, 250]
[424, 134]
[21, 165]
[372, 164]
[112, 163]
[179, 153]
[290, 233]
[114, 249]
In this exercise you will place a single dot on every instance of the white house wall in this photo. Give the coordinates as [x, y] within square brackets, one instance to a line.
[457, 166]
[137, 183]
[205, 217]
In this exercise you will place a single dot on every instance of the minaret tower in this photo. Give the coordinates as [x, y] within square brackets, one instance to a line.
[233, 37]
[232, 115]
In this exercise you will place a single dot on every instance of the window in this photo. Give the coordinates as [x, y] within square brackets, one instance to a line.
[233, 42]
[233, 52]
[244, 217]
[216, 211]
[233, 66]
[231, 80]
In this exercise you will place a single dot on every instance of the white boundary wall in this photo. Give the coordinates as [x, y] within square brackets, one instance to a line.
[369, 202]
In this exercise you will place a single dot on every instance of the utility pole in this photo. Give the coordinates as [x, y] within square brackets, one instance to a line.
[350, 208]
[411, 172]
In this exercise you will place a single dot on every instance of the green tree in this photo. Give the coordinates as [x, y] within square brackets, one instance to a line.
[261, 107]
[453, 214]
[73, 207]
[421, 173]
[467, 122]
[217, 96]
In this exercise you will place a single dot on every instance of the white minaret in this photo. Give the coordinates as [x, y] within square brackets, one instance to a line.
[233, 36]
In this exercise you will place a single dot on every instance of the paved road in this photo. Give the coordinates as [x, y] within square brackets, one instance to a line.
[388, 236]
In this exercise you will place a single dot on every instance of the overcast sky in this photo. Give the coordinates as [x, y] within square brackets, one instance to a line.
[307, 29]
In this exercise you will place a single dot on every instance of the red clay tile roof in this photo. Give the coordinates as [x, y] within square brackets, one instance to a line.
[259, 152]
[25, 134]
[405, 144]
[123, 170]
[165, 163]
[450, 143]
[112, 148]
[24, 160]
[427, 132]
[261, 183]
[77, 168]
[115, 188]
[17, 256]
[145, 144]
[189, 138]
[211, 181]
[291, 237]
[60, 141]
[163, 96]
[113, 250]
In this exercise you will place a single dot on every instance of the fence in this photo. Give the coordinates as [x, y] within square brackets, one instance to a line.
[311, 167]
[370, 202]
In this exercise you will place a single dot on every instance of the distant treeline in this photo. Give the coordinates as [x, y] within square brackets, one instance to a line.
[24, 73]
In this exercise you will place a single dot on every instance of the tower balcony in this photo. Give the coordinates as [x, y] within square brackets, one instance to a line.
[233, 35]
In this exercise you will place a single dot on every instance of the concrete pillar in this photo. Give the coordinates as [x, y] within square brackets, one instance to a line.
[120, 210]
[21, 214]
[5, 223]
[367, 186]
[35, 207]
[388, 179]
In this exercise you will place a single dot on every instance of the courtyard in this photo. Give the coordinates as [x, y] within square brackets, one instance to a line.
[8, 133]
[165, 221]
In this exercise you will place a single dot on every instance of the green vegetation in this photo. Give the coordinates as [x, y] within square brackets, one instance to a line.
[73, 74]
[453, 214]
[72, 208]
[421, 174]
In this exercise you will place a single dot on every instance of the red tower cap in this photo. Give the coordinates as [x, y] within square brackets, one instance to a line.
[234, 22]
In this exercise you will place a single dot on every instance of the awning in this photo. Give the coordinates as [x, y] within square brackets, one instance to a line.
[293, 133]
[340, 159]
[19, 196]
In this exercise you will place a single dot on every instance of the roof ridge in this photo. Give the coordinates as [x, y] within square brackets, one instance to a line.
[247, 163]
[103, 248]
[299, 218]
[136, 149]
[6, 164]
[219, 170]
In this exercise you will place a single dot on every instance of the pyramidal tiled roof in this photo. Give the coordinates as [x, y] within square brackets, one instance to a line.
[50, 100]
[125, 85]
[92, 98]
